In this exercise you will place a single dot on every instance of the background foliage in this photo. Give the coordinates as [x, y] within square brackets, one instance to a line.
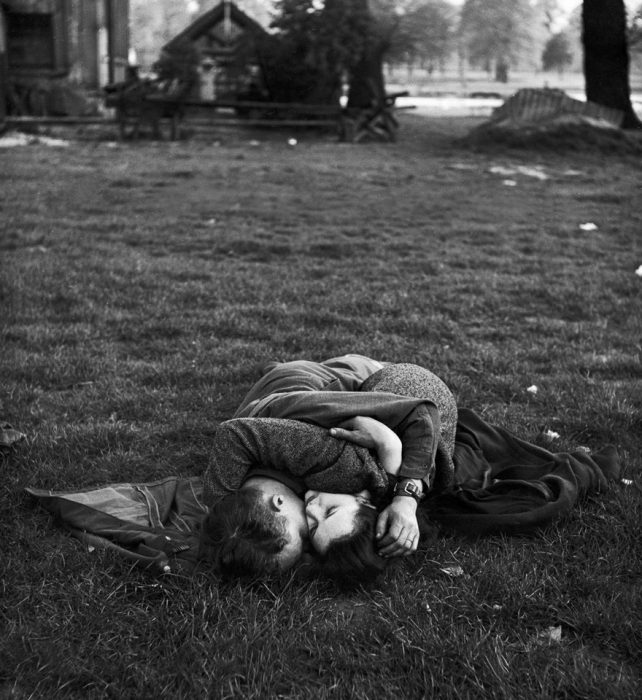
[428, 34]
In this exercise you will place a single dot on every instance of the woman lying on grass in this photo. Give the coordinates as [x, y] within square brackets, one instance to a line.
[501, 485]
[480, 480]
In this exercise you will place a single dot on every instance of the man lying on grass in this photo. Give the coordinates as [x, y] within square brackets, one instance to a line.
[486, 481]
[265, 460]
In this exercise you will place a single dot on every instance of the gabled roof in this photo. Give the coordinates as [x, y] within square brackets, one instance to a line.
[210, 19]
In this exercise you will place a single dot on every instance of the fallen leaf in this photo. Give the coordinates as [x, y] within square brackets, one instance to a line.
[509, 183]
[501, 170]
[551, 634]
[532, 389]
[535, 172]
[9, 436]
[53, 143]
[454, 570]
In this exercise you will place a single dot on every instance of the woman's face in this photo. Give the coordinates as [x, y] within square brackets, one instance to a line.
[331, 516]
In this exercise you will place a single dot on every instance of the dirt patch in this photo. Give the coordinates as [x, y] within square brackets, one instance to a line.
[562, 137]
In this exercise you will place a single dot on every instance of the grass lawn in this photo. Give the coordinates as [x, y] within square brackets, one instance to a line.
[143, 284]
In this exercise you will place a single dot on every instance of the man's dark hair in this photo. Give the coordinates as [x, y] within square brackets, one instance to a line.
[353, 559]
[241, 536]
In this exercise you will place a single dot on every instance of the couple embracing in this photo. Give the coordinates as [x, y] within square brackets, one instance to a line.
[345, 462]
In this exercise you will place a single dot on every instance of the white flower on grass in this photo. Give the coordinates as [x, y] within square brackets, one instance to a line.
[638, 272]
[551, 434]
[509, 183]
[532, 389]
[292, 142]
[627, 482]
[589, 226]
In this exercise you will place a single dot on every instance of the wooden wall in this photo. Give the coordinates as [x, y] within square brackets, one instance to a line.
[89, 41]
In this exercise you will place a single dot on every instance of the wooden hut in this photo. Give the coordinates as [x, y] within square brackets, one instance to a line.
[226, 40]
[57, 45]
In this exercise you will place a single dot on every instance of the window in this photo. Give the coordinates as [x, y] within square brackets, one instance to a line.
[30, 40]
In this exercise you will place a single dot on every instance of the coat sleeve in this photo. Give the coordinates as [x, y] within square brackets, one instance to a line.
[416, 421]
[298, 449]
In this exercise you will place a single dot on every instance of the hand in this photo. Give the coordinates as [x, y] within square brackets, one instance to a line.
[370, 433]
[397, 530]
[364, 431]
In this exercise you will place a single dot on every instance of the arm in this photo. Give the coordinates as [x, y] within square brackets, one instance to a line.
[297, 449]
[371, 433]
[397, 528]
[416, 421]
[345, 373]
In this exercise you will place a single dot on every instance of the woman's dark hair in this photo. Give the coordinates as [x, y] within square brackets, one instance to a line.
[353, 559]
[241, 536]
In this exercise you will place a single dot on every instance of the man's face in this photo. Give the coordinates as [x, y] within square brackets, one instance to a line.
[292, 513]
[290, 510]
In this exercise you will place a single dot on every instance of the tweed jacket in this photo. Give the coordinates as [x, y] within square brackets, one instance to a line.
[286, 430]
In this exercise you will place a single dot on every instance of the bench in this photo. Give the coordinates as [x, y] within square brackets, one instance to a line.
[257, 113]
[142, 101]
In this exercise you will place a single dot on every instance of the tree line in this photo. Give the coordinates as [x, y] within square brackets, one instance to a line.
[315, 46]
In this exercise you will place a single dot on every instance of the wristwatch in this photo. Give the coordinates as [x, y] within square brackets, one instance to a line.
[406, 487]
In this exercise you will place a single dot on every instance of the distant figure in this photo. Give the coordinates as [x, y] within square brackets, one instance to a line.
[207, 87]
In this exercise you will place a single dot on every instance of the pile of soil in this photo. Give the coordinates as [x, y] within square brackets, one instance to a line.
[551, 120]
[558, 137]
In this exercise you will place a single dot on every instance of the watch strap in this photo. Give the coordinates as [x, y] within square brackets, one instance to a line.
[406, 487]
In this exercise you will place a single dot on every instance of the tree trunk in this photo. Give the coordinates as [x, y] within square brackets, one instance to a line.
[606, 57]
[367, 84]
[4, 72]
[501, 71]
